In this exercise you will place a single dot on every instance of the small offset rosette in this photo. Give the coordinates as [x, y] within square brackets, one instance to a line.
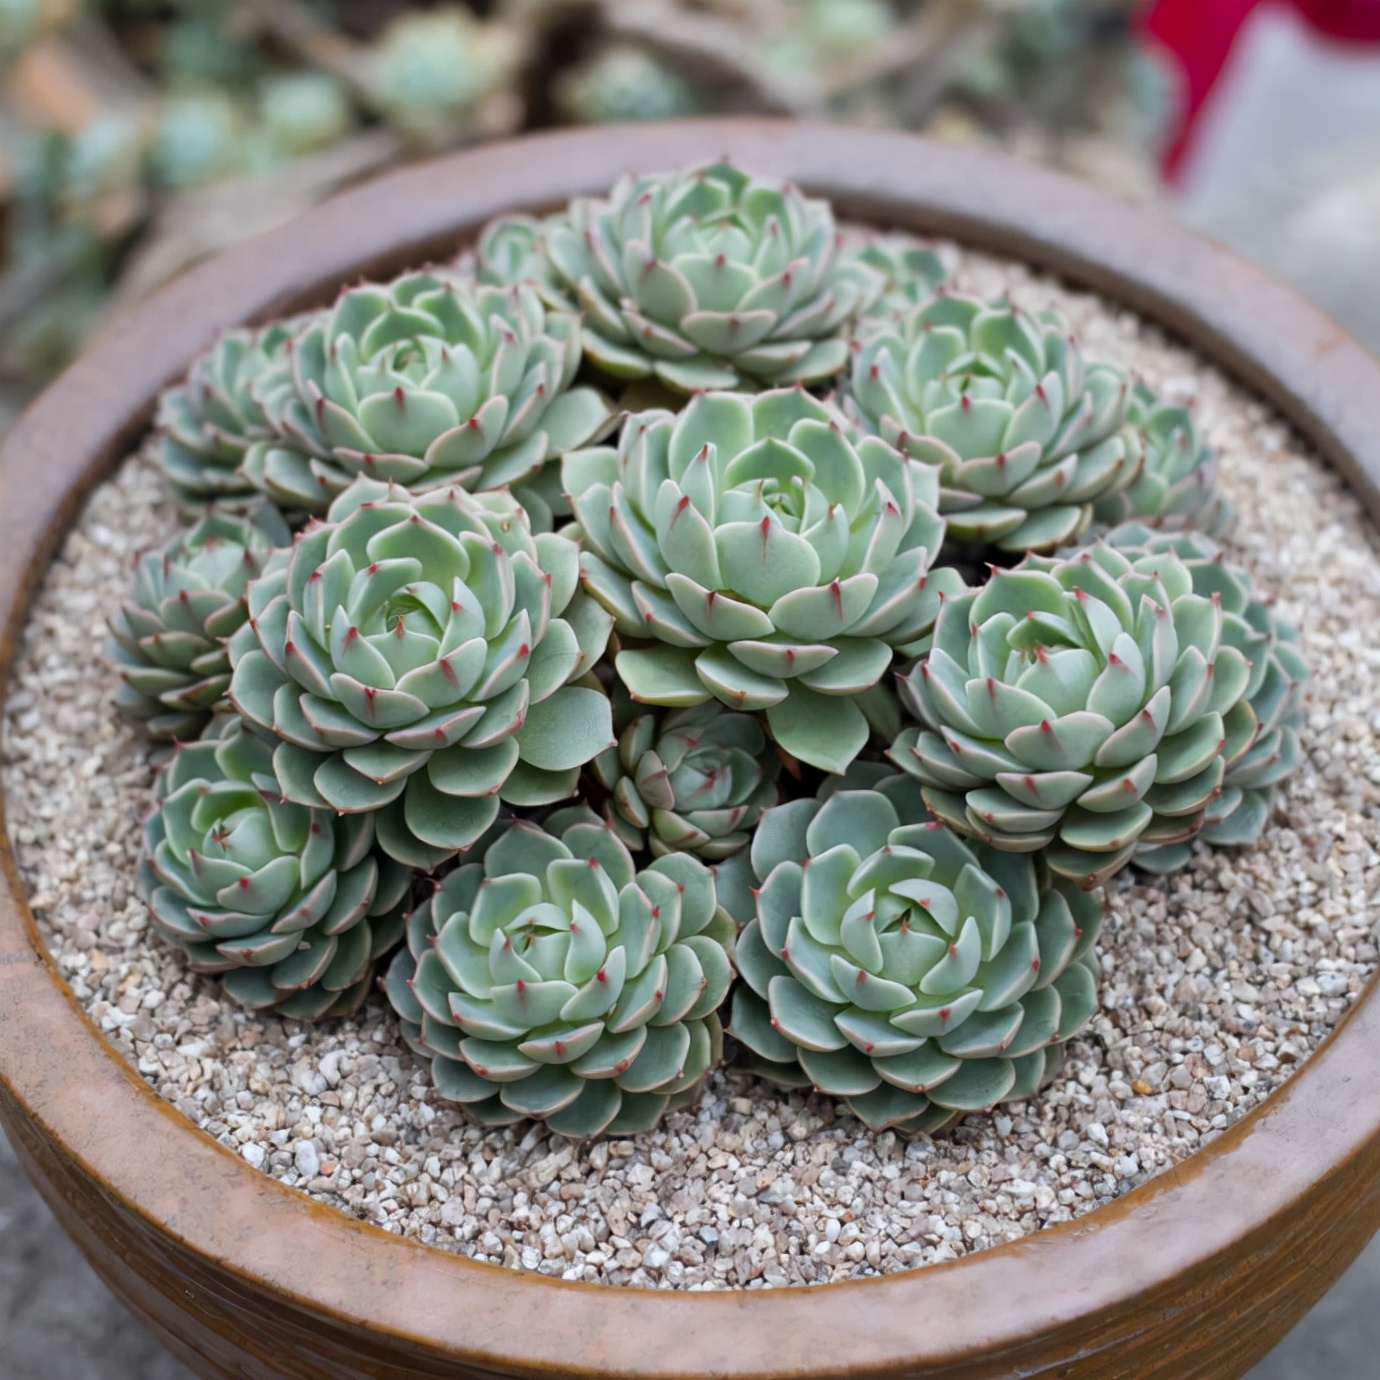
[168, 640]
[1275, 692]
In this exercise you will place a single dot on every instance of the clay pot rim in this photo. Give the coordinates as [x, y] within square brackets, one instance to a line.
[66, 1078]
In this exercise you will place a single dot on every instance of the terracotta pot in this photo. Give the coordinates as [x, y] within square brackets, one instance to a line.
[1196, 1274]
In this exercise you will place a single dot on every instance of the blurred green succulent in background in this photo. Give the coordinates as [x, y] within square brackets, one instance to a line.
[200, 136]
[432, 70]
[303, 111]
[623, 83]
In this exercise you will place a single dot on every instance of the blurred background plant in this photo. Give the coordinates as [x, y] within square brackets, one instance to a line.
[137, 136]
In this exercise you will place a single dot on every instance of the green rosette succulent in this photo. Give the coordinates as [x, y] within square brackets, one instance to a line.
[711, 278]
[168, 640]
[1024, 434]
[914, 974]
[1177, 484]
[556, 981]
[1084, 706]
[911, 271]
[427, 380]
[1274, 691]
[690, 781]
[512, 249]
[290, 907]
[419, 649]
[205, 424]
[772, 560]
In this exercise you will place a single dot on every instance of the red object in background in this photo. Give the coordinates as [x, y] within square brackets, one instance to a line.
[1356, 21]
[1201, 33]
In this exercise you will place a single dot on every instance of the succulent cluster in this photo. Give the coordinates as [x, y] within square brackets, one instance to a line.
[715, 695]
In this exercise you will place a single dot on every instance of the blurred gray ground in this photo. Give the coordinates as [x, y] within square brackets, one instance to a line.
[1318, 228]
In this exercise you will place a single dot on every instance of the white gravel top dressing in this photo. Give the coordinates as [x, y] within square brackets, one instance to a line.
[1217, 982]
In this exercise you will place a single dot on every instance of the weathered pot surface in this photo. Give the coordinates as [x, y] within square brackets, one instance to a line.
[1195, 1274]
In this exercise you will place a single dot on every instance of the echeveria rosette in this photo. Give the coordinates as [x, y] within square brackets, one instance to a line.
[512, 249]
[556, 981]
[1177, 484]
[1025, 435]
[429, 379]
[419, 649]
[773, 560]
[911, 271]
[205, 424]
[711, 278]
[913, 973]
[290, 907]
[1275, 691]
[168, 640]
[1083, 706]
[688, 781]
